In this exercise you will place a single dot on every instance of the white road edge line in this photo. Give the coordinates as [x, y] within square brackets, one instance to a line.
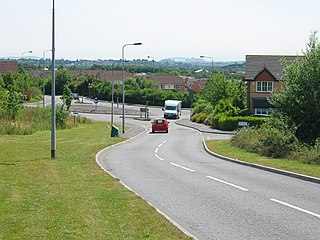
[159, 157]
[185, 168]
[297, 208]
[230, 184]
[156, 151]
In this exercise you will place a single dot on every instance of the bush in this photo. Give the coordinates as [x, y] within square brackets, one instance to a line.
[272, 139]
[32, 119]
[224, 123]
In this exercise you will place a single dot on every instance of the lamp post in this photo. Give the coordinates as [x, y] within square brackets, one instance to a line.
[122, 78]
[153, 74]
[53, 90]
[22, 74]
[44, 89]
[211, 60]
[112, 92]
[152, 64]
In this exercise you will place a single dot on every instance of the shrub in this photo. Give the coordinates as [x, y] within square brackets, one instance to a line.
[272, 139]
[225, 123]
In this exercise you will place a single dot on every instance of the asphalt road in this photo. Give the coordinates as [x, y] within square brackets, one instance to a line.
[208, 197]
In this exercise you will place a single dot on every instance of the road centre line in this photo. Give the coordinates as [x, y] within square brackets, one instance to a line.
[185, 168]
[159, 157]
[297, 208]
[230, 184]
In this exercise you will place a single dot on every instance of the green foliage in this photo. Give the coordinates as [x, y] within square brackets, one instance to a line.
[218, 87]
[66, 97]
[273, 139]
[299, 99]
[221, 98]
[232, 123]
[32, 119]
[10, 102]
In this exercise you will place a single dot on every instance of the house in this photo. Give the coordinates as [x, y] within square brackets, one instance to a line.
[8, 66]
[101, 74]
[104, 74]
[262, 75]
[170, 82]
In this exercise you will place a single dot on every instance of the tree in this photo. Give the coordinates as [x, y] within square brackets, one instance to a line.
[67, 97]
[299, 99]
[218, 87]
[10, 102]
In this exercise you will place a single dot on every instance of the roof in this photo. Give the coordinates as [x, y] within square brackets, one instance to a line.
[102, 74]
[8, 66]
[168, 79]
[255, 63]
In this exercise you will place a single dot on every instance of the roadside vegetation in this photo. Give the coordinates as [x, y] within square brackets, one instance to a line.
[294, 164]
[70, 197]
[293, 132]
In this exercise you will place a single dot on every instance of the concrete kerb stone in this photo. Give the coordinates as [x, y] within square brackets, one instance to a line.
[201, 130]
[269, 169]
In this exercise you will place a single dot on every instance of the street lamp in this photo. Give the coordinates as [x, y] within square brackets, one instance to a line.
[210, 58]
[153, 74]
[152, 64]
[44, 89]
[22, 75]
[53, 90]
[122, 78]
[112, 93]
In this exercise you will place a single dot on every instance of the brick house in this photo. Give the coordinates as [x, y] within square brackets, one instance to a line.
[169, 82]
[102, 74]
[8, 66]
[262, 75]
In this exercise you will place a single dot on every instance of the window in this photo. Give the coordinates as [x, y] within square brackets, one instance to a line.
[163, 86]
[264, 86]
[266, 111]
[176, 87]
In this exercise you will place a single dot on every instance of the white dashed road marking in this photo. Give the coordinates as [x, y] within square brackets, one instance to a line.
[297, 208]
[185, 168]
[230, 184]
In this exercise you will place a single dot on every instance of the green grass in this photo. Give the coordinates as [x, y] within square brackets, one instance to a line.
[223, 147]
[70, 197]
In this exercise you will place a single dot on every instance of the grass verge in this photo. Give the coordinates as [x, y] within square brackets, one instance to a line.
[70, 197]
[223, 147]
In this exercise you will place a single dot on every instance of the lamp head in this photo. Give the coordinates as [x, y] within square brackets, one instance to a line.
[137, 43]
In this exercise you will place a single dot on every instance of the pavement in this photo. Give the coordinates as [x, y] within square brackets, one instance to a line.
[200, 127]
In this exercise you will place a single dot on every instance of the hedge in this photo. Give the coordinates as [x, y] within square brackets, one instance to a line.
[232, 123]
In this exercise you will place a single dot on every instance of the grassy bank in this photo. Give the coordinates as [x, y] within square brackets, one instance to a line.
[224, 148]
[70, 197]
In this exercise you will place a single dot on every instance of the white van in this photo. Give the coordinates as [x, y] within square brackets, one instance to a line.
[172, 109]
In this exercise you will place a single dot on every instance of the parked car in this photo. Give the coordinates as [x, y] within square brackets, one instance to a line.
[260, 115]
[160, 125]
[75, 96]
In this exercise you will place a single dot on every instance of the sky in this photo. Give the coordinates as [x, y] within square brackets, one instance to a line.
[225, 30]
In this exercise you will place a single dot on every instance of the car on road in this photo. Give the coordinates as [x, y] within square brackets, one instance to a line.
[160, 125]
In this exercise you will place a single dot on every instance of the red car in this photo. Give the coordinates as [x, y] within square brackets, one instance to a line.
[160, 125]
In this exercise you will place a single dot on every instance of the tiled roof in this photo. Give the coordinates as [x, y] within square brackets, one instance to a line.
[102, 74]
[168, 79]
[255, 63]
[8, 66]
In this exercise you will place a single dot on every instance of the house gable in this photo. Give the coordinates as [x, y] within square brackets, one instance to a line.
[264, 76]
